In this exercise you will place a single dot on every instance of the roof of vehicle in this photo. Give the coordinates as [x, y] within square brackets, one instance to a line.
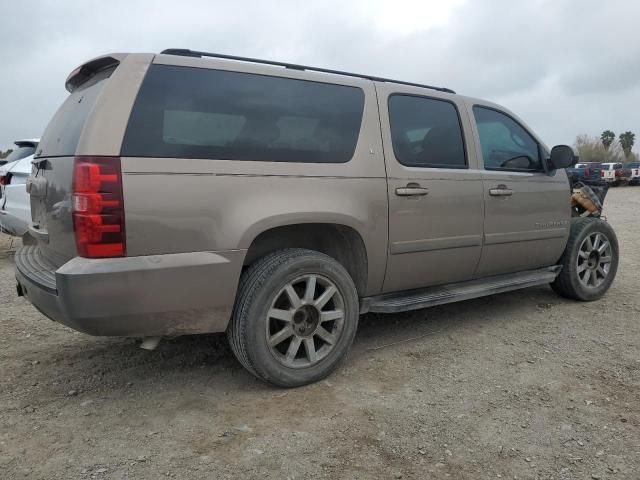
[321, 72]
[91, 67]
[199, 54]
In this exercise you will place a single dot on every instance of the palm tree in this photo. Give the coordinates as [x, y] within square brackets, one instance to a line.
[627, 139]
[607, 138]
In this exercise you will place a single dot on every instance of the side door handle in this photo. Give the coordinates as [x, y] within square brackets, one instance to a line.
[500, 191]
[412, 190]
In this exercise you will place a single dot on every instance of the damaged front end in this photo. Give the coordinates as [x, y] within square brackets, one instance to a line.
[587, 198]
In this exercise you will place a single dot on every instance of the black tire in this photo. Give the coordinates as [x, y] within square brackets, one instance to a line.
[570, 283]
[263, 284]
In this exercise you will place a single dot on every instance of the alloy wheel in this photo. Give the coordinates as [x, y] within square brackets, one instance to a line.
[594, 260]
[305, 321]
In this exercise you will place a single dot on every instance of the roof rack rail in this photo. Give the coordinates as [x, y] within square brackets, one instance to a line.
[184, 52]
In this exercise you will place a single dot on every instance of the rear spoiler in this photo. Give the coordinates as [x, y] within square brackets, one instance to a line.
[87, 70]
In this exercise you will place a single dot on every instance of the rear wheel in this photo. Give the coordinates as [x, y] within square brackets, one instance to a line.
[590, 261]
[295, 317]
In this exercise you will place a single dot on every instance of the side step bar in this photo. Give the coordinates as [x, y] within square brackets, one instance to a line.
[455, 292]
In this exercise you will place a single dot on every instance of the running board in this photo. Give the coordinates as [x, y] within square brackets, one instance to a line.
[455, 292]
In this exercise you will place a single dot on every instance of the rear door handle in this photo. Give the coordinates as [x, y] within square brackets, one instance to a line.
[412, 190]
[500, 191]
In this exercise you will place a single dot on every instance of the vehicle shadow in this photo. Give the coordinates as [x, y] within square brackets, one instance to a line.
[111, 364]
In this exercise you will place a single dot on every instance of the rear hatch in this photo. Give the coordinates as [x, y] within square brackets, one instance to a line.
[608, 171]
[51, 182]
[592, 170]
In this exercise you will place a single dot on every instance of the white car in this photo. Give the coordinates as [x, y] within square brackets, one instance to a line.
[615, 173]
[635, 173]
[15, 204]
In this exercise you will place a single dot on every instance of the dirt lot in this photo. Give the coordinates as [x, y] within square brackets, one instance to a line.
[519, 385]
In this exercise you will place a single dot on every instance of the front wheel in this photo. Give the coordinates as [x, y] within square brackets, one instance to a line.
[295, 317]
[590, 260]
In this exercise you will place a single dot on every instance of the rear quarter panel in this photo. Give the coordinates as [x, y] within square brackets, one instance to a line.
[189, 205]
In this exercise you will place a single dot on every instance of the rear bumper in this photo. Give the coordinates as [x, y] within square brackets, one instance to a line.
[166, 295]
[616, 179]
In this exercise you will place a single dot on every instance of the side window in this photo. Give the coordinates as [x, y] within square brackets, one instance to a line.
[426, 132]
[183, 112]
[505, 144]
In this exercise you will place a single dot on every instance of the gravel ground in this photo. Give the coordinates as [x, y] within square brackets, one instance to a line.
[520, 385]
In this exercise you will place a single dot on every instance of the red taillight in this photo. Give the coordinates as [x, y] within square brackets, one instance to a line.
[4, 179]
[602, 173]
[98, 207]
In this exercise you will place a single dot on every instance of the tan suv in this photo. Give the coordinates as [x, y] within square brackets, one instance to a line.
[190, 192]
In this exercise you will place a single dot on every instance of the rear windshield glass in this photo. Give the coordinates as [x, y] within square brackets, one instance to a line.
[63, 132]
[184, 112]
[19, 153]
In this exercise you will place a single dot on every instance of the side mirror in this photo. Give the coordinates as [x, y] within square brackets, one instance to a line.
[562, 156]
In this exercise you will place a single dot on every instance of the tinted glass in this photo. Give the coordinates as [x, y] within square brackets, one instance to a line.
[19, 153]
[505, 144]
[185, 112]
[63, 132]
[426, 132]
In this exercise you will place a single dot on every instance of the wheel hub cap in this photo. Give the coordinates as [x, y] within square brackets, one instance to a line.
[305, 320]
[594, 260]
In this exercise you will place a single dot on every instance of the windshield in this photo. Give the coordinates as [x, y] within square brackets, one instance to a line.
[19, 153]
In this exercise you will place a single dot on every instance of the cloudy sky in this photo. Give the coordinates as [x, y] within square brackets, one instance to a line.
[566, 66]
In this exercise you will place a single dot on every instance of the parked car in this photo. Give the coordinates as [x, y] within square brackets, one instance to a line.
[188, 192]
[615, 173]
[15, 208]
[635, 173]
[24, 148]
[589, 172]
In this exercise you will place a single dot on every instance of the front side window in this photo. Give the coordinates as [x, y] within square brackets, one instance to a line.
[426, 132]
[186, 112]
[505, 144]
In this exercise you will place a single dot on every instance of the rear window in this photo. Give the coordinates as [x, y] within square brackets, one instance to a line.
[19, 153]
[184, 112]
[62, 135]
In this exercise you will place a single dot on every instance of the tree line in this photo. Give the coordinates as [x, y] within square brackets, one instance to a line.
[607, 148]
[6, 153]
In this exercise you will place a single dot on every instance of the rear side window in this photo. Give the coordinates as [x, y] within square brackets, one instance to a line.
[506, 145]
[19, 153]
[426, 132]
[184, 112]
[62, 135]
